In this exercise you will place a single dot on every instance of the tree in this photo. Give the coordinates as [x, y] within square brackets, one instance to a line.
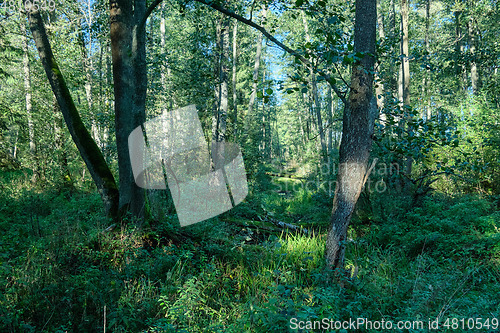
[128, 49]
[359, 117]
[316, 105]
[358, 122]
[234, 80]
[87, 147]
[404, 74]
[258, 54]
[29, 106]
[127, 30]
[221, 105]
[427, 76]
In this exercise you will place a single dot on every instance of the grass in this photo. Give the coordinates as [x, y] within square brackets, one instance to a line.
[60, 272]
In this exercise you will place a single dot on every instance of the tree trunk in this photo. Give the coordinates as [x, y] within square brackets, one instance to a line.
[29, 106]
[358, 122]
[427, 75]
[474, 76]
[235, 93]
[165, 72]
[87, 69]
[129, 76]
[301, 123]
[219, 124]
[392, 34]
[404, 88]
[379, 84]
[459, 49]
[330, 130]
[88, 149]
[256, 67]
[315, 98]
[109, 101]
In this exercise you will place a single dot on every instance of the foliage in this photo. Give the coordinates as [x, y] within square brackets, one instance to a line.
[423, 243]
[60, 270]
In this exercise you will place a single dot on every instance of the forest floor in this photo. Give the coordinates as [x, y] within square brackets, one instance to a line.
[61, 271]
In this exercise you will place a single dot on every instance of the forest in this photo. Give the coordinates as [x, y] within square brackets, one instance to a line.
[249, 166]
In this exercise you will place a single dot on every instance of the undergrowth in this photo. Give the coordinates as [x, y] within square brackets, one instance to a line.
[61, 271]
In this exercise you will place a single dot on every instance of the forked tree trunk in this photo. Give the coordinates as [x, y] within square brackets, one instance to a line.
[358, 122]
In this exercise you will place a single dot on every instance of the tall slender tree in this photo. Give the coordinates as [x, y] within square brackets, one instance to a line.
[316, 104]
[92, 156]
[359, 117]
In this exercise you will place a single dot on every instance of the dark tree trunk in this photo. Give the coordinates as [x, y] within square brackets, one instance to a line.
[129, 76]
[88, 149]
[358, 122]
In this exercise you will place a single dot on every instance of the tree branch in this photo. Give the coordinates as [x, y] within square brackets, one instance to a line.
[297, 55]
[148, 12]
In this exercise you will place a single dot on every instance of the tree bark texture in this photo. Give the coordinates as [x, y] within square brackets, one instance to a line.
[358, 122]
[129, 75]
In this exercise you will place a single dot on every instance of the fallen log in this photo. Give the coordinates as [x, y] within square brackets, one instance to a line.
[283, 225]
[283, 175]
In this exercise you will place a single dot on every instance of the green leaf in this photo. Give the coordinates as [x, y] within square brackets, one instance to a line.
[333, 20]
[269, 91]
[299, 3]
